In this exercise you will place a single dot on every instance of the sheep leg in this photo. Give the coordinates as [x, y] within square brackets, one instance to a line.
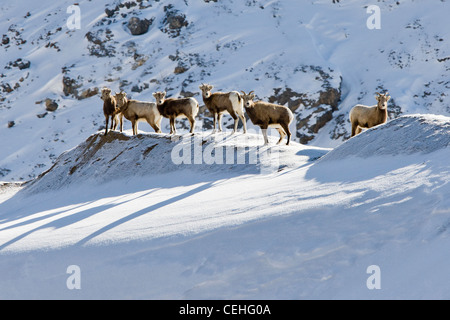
[264, 128]
[192, 122]
[219, 120]
[282, 135]
[121, 122]
[358, 130]
[354, 127]
[134, 125]
[236, 120]
[287, 132]
[106, 126]
[215, 122]
[173, 130]
[154, 126]
[158, 124]
[243, 122]
[114, 122]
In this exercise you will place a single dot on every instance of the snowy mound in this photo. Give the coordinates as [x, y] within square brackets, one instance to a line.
[405, 135]
[118, 155]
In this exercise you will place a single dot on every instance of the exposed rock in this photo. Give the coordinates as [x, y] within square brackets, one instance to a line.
[4, 172]
[19, 63]
[315, 109]
[5, 39]
[173, 22]
[111, 12]
[70, 86]
[99, 45]
[6, 88]
[180, 69]
[88, 93]
[11, 124]
[50, 105]
[139, 26]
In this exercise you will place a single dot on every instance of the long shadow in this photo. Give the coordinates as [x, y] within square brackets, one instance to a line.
[145, 211]
[355, 169]
[64, 221]
[24, 204]
[57, 224]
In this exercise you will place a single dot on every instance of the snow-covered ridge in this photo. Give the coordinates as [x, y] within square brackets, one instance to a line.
[405, 135]
[319, 58]
[309, 230]
[118, 156]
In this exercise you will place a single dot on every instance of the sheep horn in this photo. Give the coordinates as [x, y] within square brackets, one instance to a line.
[243, 93]
[377, 93]
[251, 92]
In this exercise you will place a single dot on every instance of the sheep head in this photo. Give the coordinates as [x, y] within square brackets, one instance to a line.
[106, 93]
[160, 97]
[121, 99]
[206, 90]
[382, 100]
[248, 99]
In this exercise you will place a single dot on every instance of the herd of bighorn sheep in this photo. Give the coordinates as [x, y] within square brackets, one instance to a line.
[263, 114]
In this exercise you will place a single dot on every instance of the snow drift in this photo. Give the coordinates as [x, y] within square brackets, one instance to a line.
[120, 156]
[402, 136]
[308, 231]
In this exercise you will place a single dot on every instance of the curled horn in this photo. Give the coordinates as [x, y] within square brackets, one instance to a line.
[243, 93]
[251, 92]
[377, 93]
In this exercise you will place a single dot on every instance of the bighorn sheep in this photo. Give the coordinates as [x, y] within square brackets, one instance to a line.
[110, 109]
[367, 117]
[174, 108]
[221, 102]
[136, 111]
[268, 115]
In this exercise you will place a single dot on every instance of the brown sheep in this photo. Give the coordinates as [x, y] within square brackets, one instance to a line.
[135, 111]
[268, 115]
[110, 109]
[220, 102]
[367, 117]
[174, 108]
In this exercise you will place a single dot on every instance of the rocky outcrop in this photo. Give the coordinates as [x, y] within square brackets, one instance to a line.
[139, 26]
[173, 22]
[313, 110]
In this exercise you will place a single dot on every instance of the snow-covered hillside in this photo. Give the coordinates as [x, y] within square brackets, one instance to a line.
[317, 57]
[220, 216]
[308, 230]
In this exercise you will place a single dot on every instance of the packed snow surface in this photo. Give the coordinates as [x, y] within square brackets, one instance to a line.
[220, 216]
[304, 231]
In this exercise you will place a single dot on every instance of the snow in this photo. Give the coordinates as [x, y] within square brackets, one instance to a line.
[306, 231]
[220, 216]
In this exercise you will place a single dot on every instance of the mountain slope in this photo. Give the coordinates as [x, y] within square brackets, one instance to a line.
[308, 231]
[318, 58]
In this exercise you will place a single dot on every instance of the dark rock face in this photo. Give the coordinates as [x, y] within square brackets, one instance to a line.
[313, 110]
[19, 63]
[139, 26]
[51, 105]
[173, 22]
[99, 43]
